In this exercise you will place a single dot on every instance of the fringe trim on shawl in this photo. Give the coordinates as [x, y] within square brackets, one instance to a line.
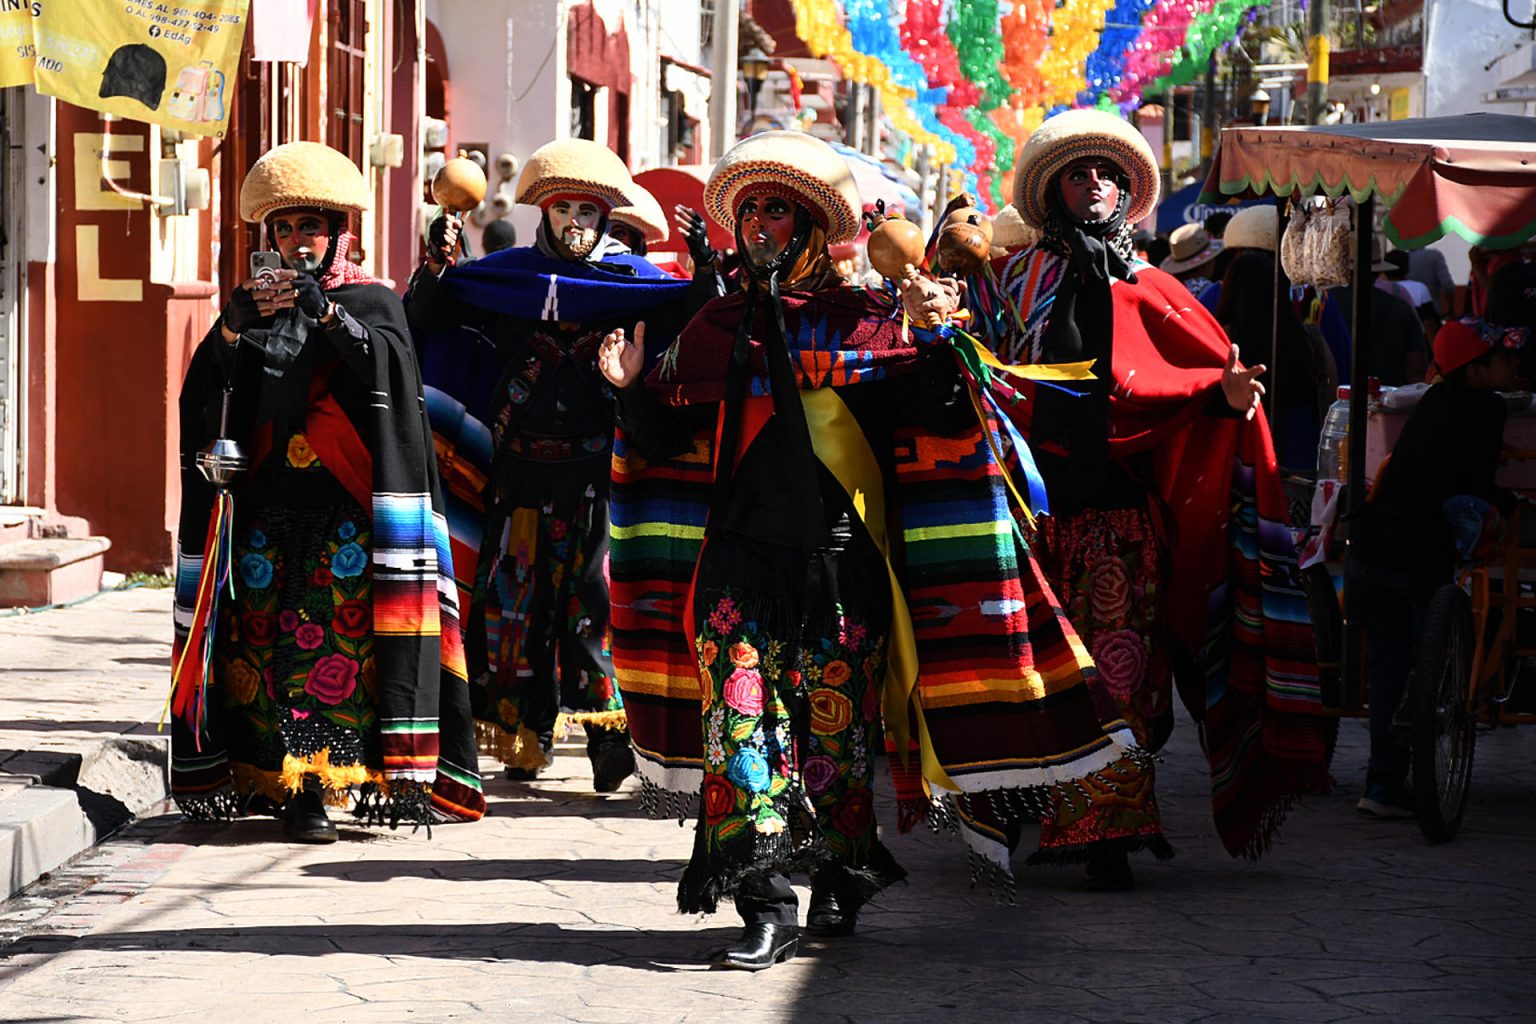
[999, 879]
[394, 803]
[520, 750]
[705, 883]
[568, 720]
[380, 800]
[660, 803]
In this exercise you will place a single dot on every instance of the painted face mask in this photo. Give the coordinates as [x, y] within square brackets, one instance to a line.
[577, 222]
[767, 226]
[302, 237]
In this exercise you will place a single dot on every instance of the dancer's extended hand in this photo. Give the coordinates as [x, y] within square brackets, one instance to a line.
[621, 359]
[1242, 387]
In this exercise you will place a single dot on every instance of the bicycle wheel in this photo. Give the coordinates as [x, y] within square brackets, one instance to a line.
[1443, 728]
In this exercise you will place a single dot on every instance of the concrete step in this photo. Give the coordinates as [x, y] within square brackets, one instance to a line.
[55, 805]
[50, 570]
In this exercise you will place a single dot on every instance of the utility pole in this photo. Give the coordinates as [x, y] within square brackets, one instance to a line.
[1317, 61]
[722, 82]
[1208, 117]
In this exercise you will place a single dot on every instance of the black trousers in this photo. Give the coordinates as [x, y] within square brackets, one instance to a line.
[767, 899]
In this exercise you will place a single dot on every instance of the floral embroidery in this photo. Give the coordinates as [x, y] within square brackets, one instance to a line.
[744, 691]
[300, 454]
[348, 561]
[831, 712]
[332, 679]
[256, 571]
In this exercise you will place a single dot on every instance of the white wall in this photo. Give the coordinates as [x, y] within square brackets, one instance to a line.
[508, 88]
[1462, 37]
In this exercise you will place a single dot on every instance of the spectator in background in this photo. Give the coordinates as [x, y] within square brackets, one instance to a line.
[1302, 376]
[1191, 253]
[1428, 267]
[1254, 229]
[1216, 224]
[1398, 354]
[498, 235]
[1512, 303]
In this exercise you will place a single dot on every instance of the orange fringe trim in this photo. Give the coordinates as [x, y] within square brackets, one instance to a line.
[336, 779]
[602, 719]
[515, 750]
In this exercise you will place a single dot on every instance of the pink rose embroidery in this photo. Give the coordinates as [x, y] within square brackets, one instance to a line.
[1109, 590]
[744, 691]
[288, 621]
[309, 636]
[332, 680]
[1121, 656]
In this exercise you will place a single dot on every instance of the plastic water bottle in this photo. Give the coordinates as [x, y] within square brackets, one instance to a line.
[1333, 442]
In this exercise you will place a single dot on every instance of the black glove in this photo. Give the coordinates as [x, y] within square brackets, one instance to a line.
[309, 298]
[241, 314]
[698, 241]
[438, 249]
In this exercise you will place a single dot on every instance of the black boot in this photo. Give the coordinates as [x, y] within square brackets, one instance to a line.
[613, 760]
[828, 916]
[1109, 871]
[304, 817]
[761, 946]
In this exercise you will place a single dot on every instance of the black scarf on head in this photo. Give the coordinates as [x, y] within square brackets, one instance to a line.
[762, 282]
[1081, 328]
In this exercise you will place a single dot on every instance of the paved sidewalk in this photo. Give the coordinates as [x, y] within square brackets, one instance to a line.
[560, 907]
[79, 687]
[71, 676]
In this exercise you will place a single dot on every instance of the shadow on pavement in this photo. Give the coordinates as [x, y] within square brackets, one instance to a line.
[685, 949]
[577, 870]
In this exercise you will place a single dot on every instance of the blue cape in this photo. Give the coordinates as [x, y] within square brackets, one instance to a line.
[523, 282]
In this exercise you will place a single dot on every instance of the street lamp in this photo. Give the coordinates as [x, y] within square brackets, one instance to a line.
[754, 69]
[1258, 106]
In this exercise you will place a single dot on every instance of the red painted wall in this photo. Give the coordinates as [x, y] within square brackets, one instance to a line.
[119, 366]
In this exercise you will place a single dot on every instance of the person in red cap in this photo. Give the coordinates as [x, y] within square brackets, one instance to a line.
[1433, 502]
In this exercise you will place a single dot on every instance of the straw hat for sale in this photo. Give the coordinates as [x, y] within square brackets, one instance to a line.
[1072, 135]
[645, 216]
[793, 166]
[1189, 248]
[575, 165]
[1253, 227]
[303, 174]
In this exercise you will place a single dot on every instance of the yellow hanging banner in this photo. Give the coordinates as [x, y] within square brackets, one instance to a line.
[17, 49]
[168, 62]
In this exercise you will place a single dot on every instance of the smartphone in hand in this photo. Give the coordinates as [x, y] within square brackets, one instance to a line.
[265, 263]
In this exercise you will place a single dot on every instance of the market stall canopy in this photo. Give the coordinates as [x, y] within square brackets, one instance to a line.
[683, 184]
[1473, 175]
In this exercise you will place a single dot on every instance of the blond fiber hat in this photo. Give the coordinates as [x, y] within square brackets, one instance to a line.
[575, 165]
[645, 215]
[1072, 135]
[302, 174]
[1010, 232]
[1252, 227]
[1190, 246]
[793, 166]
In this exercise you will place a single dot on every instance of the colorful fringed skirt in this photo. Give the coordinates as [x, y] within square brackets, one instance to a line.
[293, 689]
[790, 662]
[1108, 568]
[539, 646]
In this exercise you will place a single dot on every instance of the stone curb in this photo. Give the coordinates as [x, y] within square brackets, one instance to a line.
[55, 806]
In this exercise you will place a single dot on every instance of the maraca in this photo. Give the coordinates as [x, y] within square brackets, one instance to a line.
[895, 244]
[459, 185]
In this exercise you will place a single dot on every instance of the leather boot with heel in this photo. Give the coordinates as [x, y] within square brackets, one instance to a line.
[761, 946]
[304, 817]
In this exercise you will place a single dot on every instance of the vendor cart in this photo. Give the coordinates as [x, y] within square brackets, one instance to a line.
[1473, 175]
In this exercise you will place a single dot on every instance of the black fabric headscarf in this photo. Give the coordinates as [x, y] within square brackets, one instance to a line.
[763, 282]
[1081, 328]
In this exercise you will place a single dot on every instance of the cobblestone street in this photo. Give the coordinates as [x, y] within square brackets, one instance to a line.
[560, 907]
